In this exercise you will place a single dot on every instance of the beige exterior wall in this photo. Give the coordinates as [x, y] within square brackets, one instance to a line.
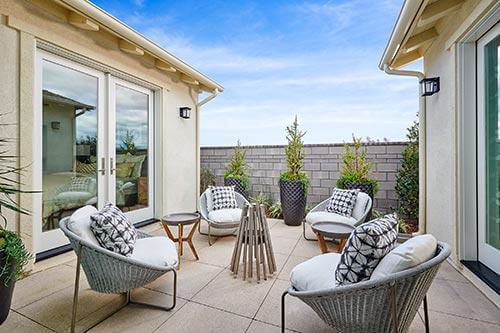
[442, 126]
[22, 23]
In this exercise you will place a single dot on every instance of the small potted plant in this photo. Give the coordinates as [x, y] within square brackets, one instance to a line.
[356, 169]
[407, 181]
[293, 182]
[236, 172]
[13, 254]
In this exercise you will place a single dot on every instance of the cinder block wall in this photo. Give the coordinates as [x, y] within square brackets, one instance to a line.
[322, 164]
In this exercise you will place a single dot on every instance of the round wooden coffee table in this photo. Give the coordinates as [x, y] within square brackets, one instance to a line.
[335, 230]
[180, 220]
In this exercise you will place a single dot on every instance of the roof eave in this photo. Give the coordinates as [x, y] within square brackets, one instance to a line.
[114, 25]
[406, 16]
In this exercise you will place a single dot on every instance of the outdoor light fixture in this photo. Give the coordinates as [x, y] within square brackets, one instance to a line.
[430, 86]
[55, 125]
[185, 112]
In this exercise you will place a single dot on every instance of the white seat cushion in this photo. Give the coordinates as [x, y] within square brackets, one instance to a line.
[411, 253]
[79, 223]
[314, 217]
[316, 273]
[359, 207]
[225, 215]
[159, 251]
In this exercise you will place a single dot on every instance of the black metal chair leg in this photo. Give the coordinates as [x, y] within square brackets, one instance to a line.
[174, 298]
[304, 232]
[426, 315]
[283, 311]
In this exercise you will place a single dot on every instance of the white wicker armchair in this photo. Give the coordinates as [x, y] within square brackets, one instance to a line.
[360, 212]
[109, 272]
[204, 211]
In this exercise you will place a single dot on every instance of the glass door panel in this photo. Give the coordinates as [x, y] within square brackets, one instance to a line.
[489, 158]
[133, 137]
[69, 103]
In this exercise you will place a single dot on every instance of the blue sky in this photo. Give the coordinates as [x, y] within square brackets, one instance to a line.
[277, 59]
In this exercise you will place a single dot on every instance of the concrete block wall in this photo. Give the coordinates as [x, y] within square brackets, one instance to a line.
[322, 164]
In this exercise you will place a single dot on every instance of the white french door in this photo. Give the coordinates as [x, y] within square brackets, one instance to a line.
[488, 103]
[96, 145]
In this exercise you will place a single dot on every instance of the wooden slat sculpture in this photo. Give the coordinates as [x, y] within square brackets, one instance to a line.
[253, 241]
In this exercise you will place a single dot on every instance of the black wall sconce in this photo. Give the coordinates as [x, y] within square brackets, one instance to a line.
[430, 86]
[55, 125]
[185, 112]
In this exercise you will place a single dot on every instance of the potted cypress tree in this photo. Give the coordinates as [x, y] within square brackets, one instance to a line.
[407, 181]
[356, 168]
[236, 172]
[293, 182]
[13, 254]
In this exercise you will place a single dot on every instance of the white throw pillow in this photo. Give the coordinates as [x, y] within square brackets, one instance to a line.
[316, 273]
[79, 223]
[158, 251]
[359, 207]
[411, 253]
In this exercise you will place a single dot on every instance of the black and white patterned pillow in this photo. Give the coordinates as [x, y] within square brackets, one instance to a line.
[342, 202]
[366, 246]
[113, 230]
[223, 197]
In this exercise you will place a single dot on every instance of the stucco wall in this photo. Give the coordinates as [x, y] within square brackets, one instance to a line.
[442, 134]
[322, 164]
[21, 24]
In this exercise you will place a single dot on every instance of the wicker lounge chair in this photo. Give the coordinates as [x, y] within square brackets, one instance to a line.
[360, 212]
[380, 305]
[109, 272]
[231, 223]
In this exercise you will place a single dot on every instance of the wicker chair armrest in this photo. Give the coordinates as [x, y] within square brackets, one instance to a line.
[241, 201]
[321, 207]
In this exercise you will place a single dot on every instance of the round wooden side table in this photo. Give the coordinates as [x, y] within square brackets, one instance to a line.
[335, 230]
[180, 220]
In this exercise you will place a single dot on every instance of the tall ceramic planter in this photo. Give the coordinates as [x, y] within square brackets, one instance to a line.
[5, 294]
[363, 187]
[293, 201]
[238, 186]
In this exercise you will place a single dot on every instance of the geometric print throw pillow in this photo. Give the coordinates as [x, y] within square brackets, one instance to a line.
[364, 249]
[113, 230]
[342, 202]
[223, 197]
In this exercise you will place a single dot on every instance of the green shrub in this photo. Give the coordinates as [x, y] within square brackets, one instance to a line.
[207, 178]
[262, 199]
[237, 167]
[407, 176]
[356, 166]
[295, 155]
[276, 211]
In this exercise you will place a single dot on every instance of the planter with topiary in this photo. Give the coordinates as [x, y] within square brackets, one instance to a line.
[236, 172]
[294, 183]
[407, 181]
[13, 254]
[356, 169]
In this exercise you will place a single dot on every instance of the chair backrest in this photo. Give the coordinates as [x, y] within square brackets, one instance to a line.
[362, 206]
[240, 201]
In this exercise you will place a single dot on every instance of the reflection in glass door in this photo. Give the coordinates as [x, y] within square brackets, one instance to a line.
[132, 143]
[489, 148]
[70, 144]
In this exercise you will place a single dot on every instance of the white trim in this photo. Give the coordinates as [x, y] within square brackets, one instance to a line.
[487, 254]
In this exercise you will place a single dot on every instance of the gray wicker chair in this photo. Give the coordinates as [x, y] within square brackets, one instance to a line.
[112, 273]
[241, 202]
[321, 207]
[380, 305]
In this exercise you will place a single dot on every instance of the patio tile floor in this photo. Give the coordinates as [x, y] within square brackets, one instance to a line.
[210, 299]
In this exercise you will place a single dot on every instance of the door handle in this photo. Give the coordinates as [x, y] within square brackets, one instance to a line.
[112, 166]
[103, 166]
